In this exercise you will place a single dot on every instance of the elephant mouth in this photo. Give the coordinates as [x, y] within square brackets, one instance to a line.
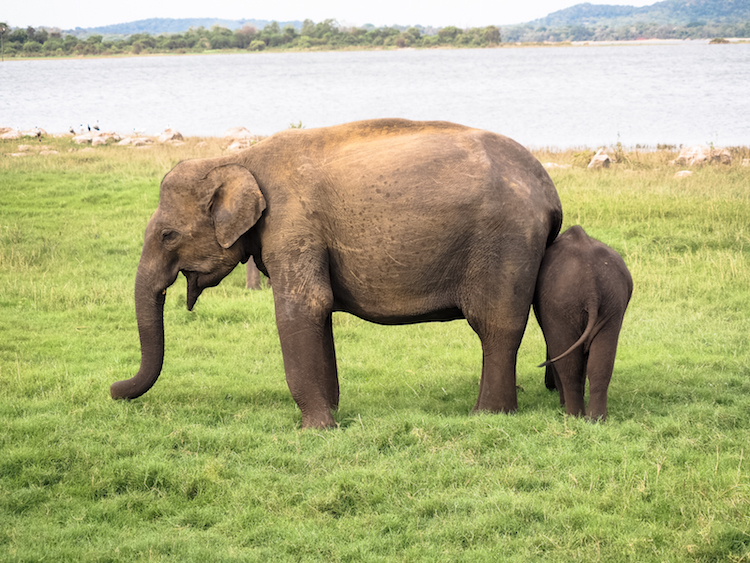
[196, 283]
[194, 288]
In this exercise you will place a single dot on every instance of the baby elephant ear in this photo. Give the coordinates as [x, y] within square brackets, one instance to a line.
[237, 202]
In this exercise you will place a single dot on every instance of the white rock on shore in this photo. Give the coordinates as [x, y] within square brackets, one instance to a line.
[136, 141]
[170, 135]
[698, 155]
[96, 138]
[8, 133]
[238, 133]
[240, 138]
[600, 160]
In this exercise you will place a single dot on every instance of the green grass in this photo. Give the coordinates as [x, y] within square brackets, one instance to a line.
[211, 465]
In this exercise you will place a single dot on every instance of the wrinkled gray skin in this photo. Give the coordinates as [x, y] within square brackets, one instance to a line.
[390, 220]
[582, 292]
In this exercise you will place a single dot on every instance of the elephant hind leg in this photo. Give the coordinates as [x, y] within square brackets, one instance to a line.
[571, 382]
[601, 363]
[497, 387]
[551, 379]
[552, 382]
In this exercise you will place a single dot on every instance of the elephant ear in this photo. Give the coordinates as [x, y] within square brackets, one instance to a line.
[237, 202]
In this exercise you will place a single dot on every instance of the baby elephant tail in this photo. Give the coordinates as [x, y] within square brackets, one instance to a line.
[593, 309]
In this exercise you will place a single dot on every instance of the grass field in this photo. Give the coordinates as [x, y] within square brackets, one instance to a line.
[211, 465]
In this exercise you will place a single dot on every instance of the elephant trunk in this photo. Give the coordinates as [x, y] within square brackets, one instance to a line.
[149, 310]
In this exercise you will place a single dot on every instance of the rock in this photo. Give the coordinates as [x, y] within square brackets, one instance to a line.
[48, 153]
[170, 135]
[721, 156]
[83, 139]
[35, 132]
[237, 133]
[96, 138]
[683, 174]
[108, 136]
[10, 134]
[553, 165]
[746, 162]
[600, 160]
[698, 155]
[238, 145]
[135, 141]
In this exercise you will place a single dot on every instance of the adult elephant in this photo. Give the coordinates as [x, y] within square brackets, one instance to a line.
[391, 220]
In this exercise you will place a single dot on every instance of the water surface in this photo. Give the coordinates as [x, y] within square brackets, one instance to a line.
[554, 96]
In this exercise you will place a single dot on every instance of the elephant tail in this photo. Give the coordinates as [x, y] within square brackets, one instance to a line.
[593, 308]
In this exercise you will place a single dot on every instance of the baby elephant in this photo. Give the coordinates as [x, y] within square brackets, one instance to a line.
[581, 295]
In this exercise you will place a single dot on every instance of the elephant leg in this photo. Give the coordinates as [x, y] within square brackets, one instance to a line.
[252, 280]
[601, 363]
[572, 382]
[307, 347]
[552, 382]
[497, 307]
[497, 387]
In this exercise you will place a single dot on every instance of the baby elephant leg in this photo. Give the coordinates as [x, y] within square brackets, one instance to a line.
[599, 368]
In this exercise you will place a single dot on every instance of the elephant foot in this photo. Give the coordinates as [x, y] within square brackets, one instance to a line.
[494, 410]
[320, 421]
[594, 418]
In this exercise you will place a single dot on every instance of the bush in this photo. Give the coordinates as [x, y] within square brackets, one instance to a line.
[257, 45]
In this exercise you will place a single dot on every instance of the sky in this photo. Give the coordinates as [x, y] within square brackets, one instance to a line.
[68, 14]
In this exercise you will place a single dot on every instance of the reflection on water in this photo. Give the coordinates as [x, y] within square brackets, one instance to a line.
[552, 96]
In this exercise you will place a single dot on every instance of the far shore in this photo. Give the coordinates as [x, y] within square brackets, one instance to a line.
[545, 44]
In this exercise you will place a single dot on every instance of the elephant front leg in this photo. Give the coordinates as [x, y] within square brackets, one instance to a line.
[310, 365]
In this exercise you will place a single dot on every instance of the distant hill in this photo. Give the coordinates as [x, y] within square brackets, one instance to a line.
[675, 12]
[667, 12]
[157, 26]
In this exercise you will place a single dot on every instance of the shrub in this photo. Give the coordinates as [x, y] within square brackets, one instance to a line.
[31, 47]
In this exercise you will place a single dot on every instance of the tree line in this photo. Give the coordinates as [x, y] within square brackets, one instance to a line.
[528, 33]
[20, 42]
[328, 35]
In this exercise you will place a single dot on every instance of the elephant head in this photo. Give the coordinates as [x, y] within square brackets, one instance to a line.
[205, 208]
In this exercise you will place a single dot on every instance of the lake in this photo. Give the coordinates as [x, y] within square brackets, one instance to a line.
[680, 94]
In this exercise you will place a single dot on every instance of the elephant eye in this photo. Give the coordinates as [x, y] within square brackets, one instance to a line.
[169, 236]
